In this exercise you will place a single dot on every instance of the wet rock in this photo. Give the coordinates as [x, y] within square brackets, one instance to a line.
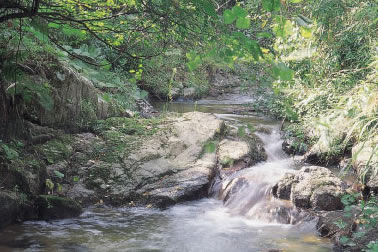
[293, 145]
[54, 207]
[265, 130]
[8, 208]
[81, 194]
[236, 153]
[192, 183]
[189, 92]
[312, 187]
[327, 224]
[232, 151]
[282, 189]
[233, 187]
[146, 110]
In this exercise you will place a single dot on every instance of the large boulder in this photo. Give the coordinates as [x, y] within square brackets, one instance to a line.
[159, 168]
[8, 208]
[75, 99]
[282, 189]
[235, 153]
[312, 187]
[54, 207]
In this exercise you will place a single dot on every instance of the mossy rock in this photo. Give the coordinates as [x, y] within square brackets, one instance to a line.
[57, 149]
[128, 126]
[54, 207]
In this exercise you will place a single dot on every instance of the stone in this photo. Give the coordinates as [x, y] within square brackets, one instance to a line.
[53, 207]
[327, 223]
[146, 110]
[59, 167]
[8, 208]
[74, 98]
[236, 153]
[232, 150]
[312, 187]
[167, 167]
[189, 92]
[282, 189]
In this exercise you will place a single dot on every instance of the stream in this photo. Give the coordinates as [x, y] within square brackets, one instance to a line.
[249, 220]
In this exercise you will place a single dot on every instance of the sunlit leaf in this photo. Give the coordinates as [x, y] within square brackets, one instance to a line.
[243, 23]
[59, 174]
[229, 17]
[306, 32]
[239, 11]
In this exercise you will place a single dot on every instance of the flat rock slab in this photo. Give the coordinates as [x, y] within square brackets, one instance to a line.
[164, 168]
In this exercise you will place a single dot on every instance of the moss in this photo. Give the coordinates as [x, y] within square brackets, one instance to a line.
[128, 126]
[117, 146]
[227, 162]
[57, 149]
[122, 136]
[54, 207]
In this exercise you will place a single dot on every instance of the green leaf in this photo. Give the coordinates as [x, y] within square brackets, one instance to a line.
[10, 153]
[59, 187]
[241, 131]
[283, 72]
[306, 32]
[276, 5]
[59, 174]
[107, 98]
[264, 35]
[271, 5]
[359, 234]
[239, 11]
[254, 49]
[75, 179]
[267, 5]
[229, 17]
[283, 28]
[209, 8]
[49, 184]
[295, 1]
[54, 25]
[243, 23]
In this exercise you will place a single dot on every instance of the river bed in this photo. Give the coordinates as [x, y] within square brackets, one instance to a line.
[204, 225]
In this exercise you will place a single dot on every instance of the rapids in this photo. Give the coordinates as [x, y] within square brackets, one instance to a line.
[240, 220]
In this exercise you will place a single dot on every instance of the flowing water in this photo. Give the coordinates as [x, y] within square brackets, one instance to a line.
[240, 216]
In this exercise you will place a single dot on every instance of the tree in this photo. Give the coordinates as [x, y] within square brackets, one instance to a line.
[126, 26]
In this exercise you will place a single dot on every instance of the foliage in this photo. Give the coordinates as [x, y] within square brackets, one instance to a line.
[367, 216]
[334, 88]
[166, 76]
[7, 153]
